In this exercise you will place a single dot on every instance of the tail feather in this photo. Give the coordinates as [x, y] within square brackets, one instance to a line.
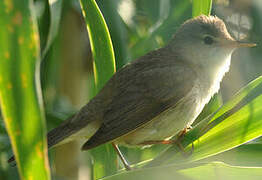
[56, 135]
[59, 133]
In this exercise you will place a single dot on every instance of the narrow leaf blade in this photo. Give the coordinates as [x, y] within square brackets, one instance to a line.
[201, 7]
[104, 68]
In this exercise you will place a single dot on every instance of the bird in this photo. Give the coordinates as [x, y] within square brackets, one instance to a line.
[158, 95]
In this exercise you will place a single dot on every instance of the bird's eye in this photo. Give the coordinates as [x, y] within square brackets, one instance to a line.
[208, 40]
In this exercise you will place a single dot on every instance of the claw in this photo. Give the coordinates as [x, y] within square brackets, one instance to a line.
[182, 149]
[177, 141]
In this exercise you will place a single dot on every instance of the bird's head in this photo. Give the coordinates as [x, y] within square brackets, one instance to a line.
[205, 42]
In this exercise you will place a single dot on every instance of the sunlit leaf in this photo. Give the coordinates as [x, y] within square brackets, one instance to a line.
[101, 45]
[21, 101]
[118, 35]
[201, 7]
[237, 122]
[192, 171]
[241, 127]
[217, 171]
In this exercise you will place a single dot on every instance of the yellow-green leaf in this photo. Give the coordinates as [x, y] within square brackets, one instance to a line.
[201, 7]
[21, 101]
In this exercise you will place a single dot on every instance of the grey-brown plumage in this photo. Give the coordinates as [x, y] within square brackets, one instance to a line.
[133, 96]
[159, 94]
[141, 91]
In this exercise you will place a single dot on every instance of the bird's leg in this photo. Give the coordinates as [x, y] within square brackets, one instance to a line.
[158, 142]
[174, 141]
[180, 146]
[124, 161]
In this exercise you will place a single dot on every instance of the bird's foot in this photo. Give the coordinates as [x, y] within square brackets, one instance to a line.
[176, 141]
[182, 149]
[180, 137]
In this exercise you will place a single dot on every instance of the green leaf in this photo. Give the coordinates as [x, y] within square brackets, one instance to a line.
[240, 96]
[101, 45]
[55, 13]
[192, 171]
[21, 101]
[201, 7]
[239, 128]
[163, 32]
[214, 104]
[249, 155]
[104, 68]
[119, 34]
[218, 170]
[237, 122]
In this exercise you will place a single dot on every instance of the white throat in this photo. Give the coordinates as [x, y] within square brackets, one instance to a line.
[213, 76]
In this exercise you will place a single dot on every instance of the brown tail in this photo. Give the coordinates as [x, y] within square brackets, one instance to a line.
[61, 132]
[57, 134]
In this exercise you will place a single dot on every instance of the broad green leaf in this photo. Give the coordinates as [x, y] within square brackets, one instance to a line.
[218, 170]
[249, 155]
[21, 101]
[192, 171]
[201, 7]
[104, 68]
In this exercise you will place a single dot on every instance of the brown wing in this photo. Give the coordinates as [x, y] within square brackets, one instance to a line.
[141, 91]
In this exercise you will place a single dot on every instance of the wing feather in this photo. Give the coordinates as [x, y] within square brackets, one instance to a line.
[141, 91]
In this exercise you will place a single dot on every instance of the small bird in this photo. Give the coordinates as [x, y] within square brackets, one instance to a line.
[158, 95]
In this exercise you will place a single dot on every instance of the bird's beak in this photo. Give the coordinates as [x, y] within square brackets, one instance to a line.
[244, 44]
[236, 44]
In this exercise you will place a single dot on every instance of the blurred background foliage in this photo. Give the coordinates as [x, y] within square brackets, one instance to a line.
[136, 27]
